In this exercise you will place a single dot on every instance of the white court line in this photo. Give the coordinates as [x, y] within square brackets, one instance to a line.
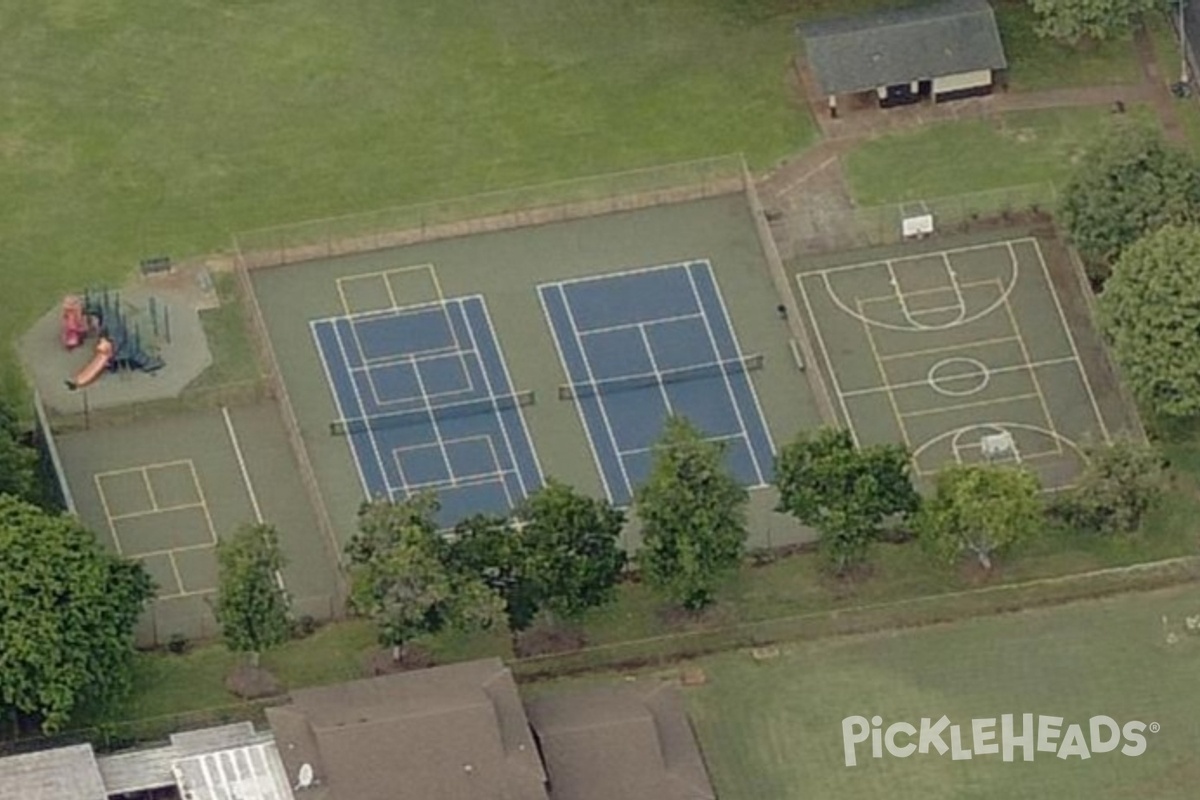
[512, 388]
[382, 313]
[816, 325]
[237, 451]
[628, 325]
[725, 437]
[947, 253]
[453, 347]
[562, 360]
[587, 366]
[433, 421]
[602, 276]
[1062, 318]
[712, 341]
[737, 346]
[926, 412]
[929, 351]
[363, 411]
[662, 389]
[158, 510]
[991, 371]
[362, 478]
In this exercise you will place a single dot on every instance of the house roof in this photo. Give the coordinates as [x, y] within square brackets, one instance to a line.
[65, 773]
[456, 732]
[854, 54]
[632, 742]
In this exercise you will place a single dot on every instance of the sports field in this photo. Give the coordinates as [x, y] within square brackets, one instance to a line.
[165, 491]
[773, 728]
[964, 351]
[477, 366]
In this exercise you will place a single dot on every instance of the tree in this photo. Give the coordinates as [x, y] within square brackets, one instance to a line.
[1150, 311]
[979, 509]
[693, 516]
[18, 461]
[399, 577]
[252, 607]
[1073, 20]
[1127, 185]
[67, 614]
[573, 543]
[488, 549]
[1120, 485]
[843, 491]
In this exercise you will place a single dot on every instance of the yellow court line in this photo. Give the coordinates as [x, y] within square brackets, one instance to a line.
[949, 347]
[949, 252]
[1062, 317]
[1037, 384]
[107, 514]
[167, 510]
[935, 310]
[155, 465]
[924, 382]
[884, 377]
[203, 502]
[891, 298]
[925, 412]
[175, 569]
[149, 489]
[187, 548]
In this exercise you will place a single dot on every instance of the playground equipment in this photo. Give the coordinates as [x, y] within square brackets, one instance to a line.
[94, 368]
[120, 345]
[74, 322]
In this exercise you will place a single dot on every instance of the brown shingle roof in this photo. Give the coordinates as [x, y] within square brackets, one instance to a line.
[456, 732]
[630, 742]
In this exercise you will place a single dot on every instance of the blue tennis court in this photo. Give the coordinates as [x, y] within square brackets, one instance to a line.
[641, 345]
[426, 402]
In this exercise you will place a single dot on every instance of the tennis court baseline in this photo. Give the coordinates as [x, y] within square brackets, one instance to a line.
[426, 402]
[640, 345]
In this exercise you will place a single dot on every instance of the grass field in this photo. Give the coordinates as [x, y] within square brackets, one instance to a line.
[1038, 63]
[952, 158]
[773, 728]
[132, 129]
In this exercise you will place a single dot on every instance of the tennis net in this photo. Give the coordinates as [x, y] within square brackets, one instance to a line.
[426, 416]
[648, 380]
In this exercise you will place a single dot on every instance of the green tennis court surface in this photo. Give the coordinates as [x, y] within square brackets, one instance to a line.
[964, 353]
[505, 269]
[165, 491]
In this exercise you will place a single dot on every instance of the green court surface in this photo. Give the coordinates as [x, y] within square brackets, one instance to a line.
[773, 728]
[965, 352]
[165, 491]
[506, 269]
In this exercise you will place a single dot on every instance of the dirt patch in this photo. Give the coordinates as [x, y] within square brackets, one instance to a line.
[549, 639]
[251, 683]
[380, 662]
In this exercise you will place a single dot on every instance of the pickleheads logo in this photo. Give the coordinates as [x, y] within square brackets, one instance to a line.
[982, 737]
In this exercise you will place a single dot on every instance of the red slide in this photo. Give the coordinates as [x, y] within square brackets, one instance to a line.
[94, 368]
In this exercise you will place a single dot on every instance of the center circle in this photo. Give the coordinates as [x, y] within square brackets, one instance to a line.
[958, 377]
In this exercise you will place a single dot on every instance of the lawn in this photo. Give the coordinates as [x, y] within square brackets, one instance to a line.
[1037, 63]
[953, 158]
[773, 728]
[131, 129]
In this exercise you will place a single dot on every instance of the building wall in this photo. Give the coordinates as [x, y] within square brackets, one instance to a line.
[962, 81]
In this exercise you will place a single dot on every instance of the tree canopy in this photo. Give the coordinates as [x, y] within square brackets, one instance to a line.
[1128, 184]
[693, 515]
[399, 577]
[1150, 311]
[574, 544]
[252, 607]
[843, 491]
[68, 610]
[1073, 20]
[488, 549]
[18, 461]
[981, 510]
[1121, 483]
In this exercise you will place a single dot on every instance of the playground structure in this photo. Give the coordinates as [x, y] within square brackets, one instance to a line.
[120, 343]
